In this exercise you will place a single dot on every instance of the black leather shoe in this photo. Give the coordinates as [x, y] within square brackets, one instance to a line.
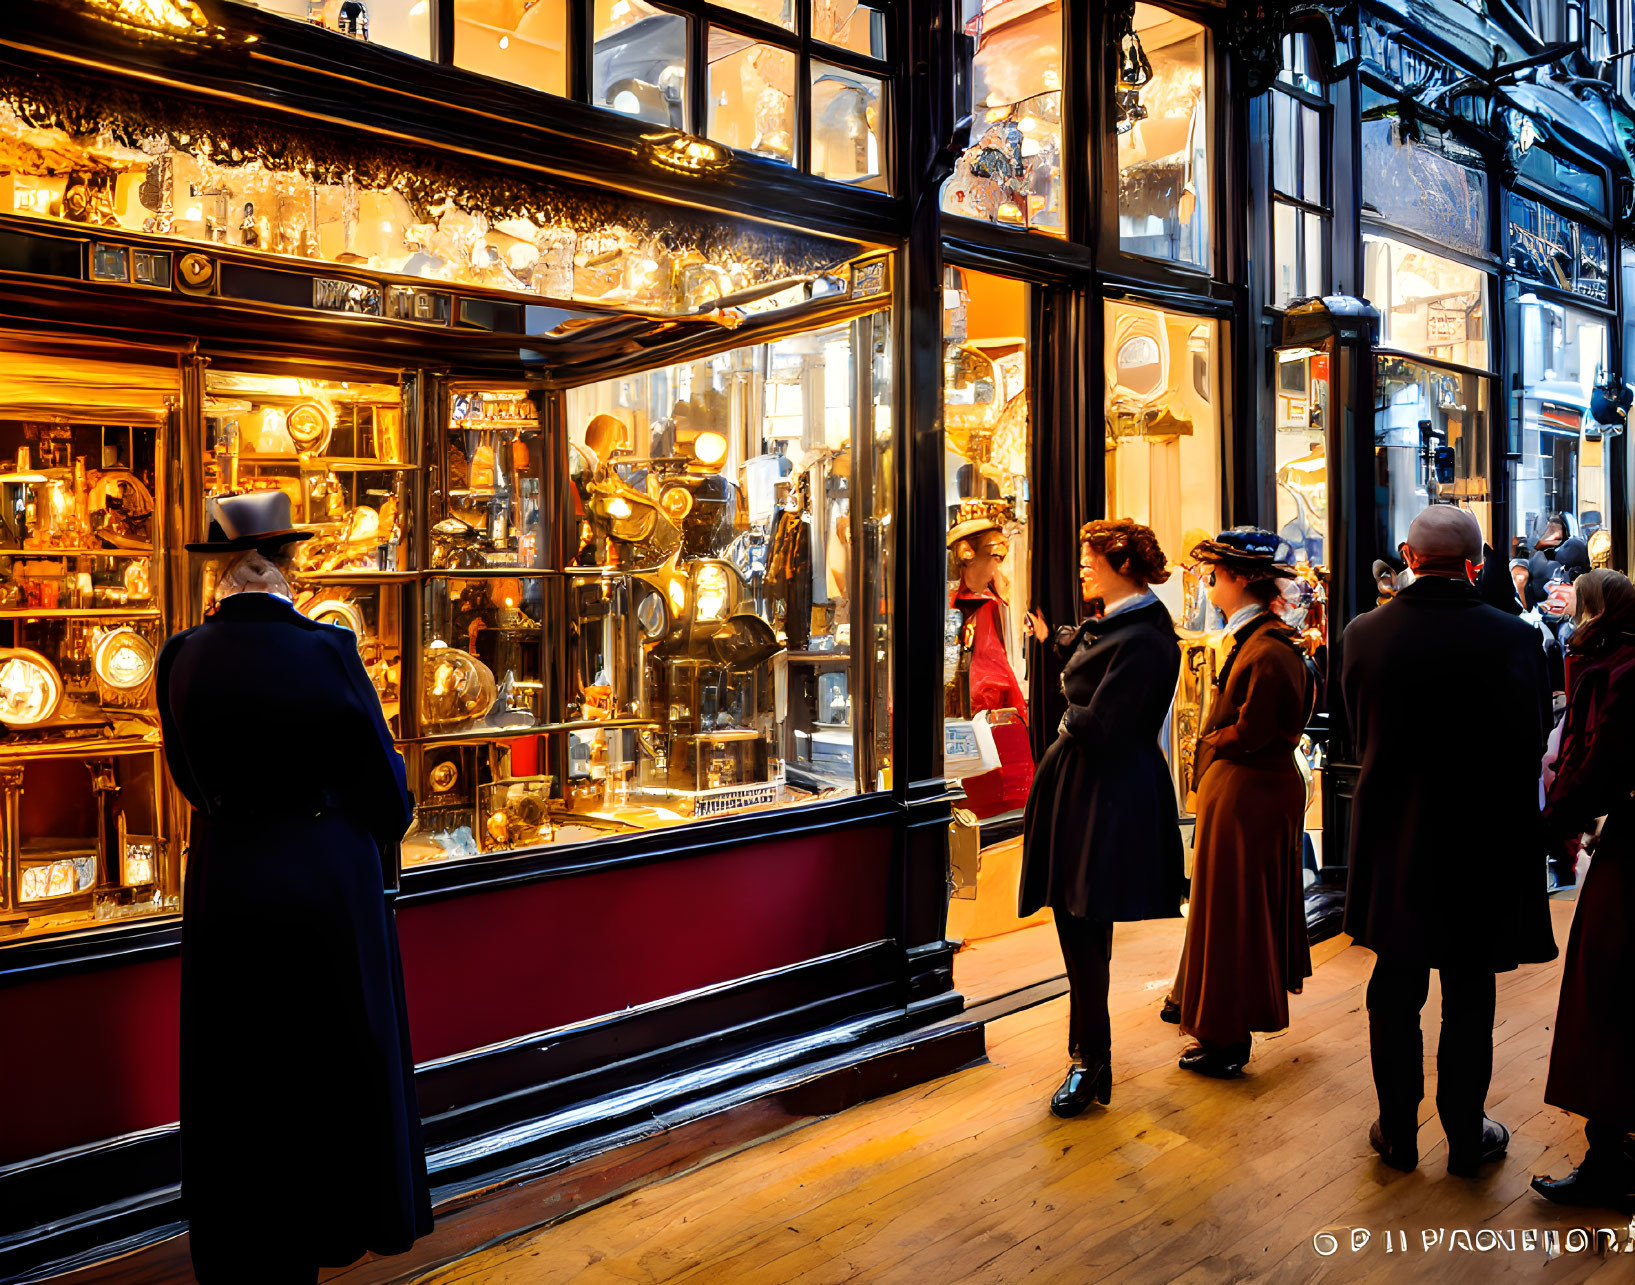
[1591, 1187]
[1464, 1162]
[1222, 1061]
[1404, 1157]
[1171, 1013]
[1082, 1086]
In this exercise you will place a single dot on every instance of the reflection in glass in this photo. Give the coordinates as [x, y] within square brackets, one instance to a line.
[1428, 304]
[640, 62]
[1419, 408]
[752, 95]
[780, 13]
[1011, 173]
[1563, 351]
[1297, 149]
[986, 418]
[522, 41]
[1163, 159]
[849, 25]
[848, 124]
[1554, 250]
[1298, 269]
[1431, 185]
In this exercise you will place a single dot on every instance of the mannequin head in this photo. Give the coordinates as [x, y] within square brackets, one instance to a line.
[979, 555]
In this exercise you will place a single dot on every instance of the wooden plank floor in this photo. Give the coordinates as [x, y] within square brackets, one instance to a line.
[969, 1178]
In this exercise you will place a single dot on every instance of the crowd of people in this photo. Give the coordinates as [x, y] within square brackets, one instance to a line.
[1446, 693]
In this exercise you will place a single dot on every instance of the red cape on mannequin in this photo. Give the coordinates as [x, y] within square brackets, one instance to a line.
[993, 682]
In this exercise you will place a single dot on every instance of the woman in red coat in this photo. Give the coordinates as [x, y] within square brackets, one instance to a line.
[1592, 1056]
[1246, 948]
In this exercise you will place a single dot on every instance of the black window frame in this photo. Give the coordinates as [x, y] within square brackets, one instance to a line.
[1323, 208]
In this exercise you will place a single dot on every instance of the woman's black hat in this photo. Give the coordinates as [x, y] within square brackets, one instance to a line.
[1245, 551]
[256, 520]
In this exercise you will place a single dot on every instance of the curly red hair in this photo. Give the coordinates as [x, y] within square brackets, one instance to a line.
[1130, 548]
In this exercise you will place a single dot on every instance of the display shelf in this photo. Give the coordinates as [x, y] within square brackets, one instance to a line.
[64, 613]
[818, 657]
[84, 747]
[340, 465]
[76, 553]
[538, 729]
[357, 577]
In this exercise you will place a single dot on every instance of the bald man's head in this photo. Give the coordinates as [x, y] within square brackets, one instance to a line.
[1441, 540]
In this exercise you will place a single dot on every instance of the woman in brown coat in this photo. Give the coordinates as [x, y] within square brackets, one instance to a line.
[1246, 948]
[1592, 1056]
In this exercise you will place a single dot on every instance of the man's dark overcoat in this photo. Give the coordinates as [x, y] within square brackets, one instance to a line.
[1592, 1055]
[1101, 834]
[301, 1135]
[1448, 702]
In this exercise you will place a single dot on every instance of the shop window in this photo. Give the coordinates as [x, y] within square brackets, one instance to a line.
[985, 406]
[1422, 409]
[83, 836]
[716, 638]
[1551, 249]
[1564, 351]
[1012, 171]
[1300, 124]
[1558, 174]
[849, 25]
[1164, 145]
[850, 125]
[523, 41]
[1164, 430]
[1428, 304]
[398, 24]
[640, 62]
[780, 13]
[752, 95]
[1421, 180]
[1301, 456]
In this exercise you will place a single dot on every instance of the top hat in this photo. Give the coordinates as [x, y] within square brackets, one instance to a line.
[257, 520]
[1245, 551]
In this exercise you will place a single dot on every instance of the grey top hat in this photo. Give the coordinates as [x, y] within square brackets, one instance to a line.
[257, 520]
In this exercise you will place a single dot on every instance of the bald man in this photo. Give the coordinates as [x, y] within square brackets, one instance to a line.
[1447, 699]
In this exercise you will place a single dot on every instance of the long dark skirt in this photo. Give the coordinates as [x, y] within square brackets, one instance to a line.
[301, 1142]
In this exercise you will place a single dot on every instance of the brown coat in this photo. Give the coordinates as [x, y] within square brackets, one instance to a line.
[1246, 946]
[1592, 1057]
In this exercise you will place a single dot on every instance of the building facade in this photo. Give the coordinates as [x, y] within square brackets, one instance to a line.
[633, 363]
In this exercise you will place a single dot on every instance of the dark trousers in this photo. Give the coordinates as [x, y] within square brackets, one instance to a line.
[1464, 1053]
[1087, 950]
[1611, 1148]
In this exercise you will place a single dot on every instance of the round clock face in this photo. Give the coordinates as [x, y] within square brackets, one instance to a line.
[338, 612]
[29, 688]
[443, 777]
[123, 659]
[309, 428]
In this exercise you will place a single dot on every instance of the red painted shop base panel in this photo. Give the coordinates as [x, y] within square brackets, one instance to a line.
[93, 1053]
[488, 967]
[88, 1055]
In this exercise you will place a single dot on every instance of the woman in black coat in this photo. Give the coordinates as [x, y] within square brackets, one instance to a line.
[1101, 840]
[301, 1143]
[1592, 1055]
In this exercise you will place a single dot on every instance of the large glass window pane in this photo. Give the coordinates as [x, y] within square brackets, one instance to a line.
[523, 41]
[849, 126]
[1564, 351]
[850, 26]
[1426, 184]
[1554, 250]
[1428, 304]
[640, 62]
[1301, 456]
[1012, 171]
[1298, 242]
[752, 95]
[724, 578]
[1297, 150]
[1164, 399]
[1300, 64]
[1163, 155]
[398, 24]
[986, 418]
[1420, 409]
[778, 12]
[1558, 174]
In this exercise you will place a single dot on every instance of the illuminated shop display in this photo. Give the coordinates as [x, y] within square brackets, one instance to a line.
[1012, 171]
[1164, 148]
[81, 593]
[688, 638]
[175, 172]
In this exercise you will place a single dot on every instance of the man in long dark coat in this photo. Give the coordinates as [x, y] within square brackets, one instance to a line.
[1448, 701]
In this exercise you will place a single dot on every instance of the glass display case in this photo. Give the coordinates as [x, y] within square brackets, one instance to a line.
[81, 622]
[651, 617]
